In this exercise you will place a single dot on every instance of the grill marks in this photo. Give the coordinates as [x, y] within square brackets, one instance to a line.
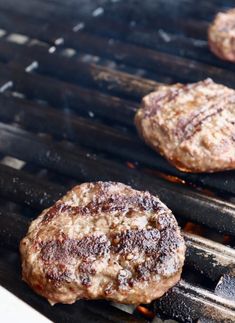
[159, 246]
[167, 94]
[105, 202]
[51, 213]
[122, 203]
[157, 102]
[58, 274]
[97, 246]
[187, 128]
[57, 209]
[162, 261]
[192, 125]
[145, 241]
[57, 256]
[63, 250]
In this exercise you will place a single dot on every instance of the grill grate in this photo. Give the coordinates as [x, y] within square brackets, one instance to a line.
[71, 78]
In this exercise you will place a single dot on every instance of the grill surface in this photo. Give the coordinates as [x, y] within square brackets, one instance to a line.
[71, 78]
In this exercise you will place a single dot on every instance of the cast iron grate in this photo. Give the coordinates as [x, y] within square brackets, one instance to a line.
[71, 78]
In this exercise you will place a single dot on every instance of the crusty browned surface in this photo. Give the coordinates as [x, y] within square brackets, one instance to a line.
[103, 240]
[221, 35]
[192, 125]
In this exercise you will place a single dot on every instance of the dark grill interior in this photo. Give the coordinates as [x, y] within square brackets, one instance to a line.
[71, 77]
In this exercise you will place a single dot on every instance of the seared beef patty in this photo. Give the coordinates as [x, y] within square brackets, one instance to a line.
[192, 125]
[221, 35]
[103, 240]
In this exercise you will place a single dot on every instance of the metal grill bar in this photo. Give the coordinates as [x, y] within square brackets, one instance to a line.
[13, 228]
[189, 303]
[208, 257]
[72, 96]
[177, 67]
[114, 82]
[74, 71]
[189, 25]
[163, 40]
[21, 187]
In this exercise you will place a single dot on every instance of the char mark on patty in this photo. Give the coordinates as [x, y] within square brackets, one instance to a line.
[91, 246]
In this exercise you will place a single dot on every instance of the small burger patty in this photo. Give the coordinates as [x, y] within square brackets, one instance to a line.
[192, 125]
[221, 35]
[103, 240]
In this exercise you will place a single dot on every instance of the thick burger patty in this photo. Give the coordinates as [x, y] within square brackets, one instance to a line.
[221, 35]
[103, 240]
[192, 125]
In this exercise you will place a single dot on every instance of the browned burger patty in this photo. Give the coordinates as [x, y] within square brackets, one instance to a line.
[103, 240]
[192, 125]
[221, 35]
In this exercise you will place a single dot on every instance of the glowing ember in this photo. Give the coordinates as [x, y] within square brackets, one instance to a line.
[194, 228]
[130, 165]
[227, 239]
[173, 179]
[170, 178]
[145, 311]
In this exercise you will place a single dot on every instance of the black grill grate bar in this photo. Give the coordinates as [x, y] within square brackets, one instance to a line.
[182, 9]
[75, 163]
[74, 71]
[189, 303]
[195, 16]
[39, 10]
[194, 23]
[161, 40]
[74, 97]
[123, 145]
[13, 227]
[21, 187]
[136, 56]
[208, 257]
[179, 198]
[29, 115]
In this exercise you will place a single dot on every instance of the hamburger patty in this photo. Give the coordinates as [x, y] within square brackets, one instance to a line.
[192, 125]
[221, 35]
[103, 240]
